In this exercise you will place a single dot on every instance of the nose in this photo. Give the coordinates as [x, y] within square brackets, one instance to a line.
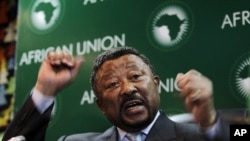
[127, 88]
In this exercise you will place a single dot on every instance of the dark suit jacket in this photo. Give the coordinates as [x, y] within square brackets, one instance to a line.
[163, 130]
[29, 123]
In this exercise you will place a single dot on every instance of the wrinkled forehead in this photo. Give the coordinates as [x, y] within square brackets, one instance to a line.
[128, 61]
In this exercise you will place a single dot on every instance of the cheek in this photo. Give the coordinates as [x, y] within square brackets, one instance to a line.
[151, 93]
[149, 86]
[110, 103]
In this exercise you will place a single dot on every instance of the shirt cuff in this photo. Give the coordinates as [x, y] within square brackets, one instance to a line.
[41, 101]
[212, 131]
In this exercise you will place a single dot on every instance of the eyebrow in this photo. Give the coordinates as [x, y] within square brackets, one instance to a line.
[107, 76]
[129, 65]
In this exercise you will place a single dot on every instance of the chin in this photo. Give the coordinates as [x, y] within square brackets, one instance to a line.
[138, 122]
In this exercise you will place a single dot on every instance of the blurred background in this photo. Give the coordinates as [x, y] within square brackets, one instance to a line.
[8, 23]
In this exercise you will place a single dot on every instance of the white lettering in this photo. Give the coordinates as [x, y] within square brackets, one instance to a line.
[31, 54]
[168, 86]
[237, 132]
[66, 48]
[81, 48]
[99, 44]
[238, 18]
[85, 2]
[243, 131]
[87, 97]
[226, 21]
[245, 17]
[240, 132]
[24, 59]
[37, 56]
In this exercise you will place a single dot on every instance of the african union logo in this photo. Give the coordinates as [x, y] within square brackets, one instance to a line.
[240, 78]
[170, 25]
[45, 15]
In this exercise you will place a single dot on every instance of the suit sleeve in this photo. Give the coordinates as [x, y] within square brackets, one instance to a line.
[29, 122]
[221, 131]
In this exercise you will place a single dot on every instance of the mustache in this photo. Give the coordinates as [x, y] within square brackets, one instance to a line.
[130, 97]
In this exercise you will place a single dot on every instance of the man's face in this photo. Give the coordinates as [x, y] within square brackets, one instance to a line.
[128, 92]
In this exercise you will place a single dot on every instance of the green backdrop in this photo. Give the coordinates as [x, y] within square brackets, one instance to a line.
[209, 36]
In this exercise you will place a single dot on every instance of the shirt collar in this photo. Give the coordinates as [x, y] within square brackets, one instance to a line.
[146, 130]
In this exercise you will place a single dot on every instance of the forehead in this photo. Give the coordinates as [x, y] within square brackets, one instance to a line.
[125, 62]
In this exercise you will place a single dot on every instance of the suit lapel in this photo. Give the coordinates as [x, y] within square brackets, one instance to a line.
[113, 137]
[114, 134]
[163, 130]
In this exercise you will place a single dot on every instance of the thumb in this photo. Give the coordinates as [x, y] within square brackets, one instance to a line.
[79, 61]
[177, 80]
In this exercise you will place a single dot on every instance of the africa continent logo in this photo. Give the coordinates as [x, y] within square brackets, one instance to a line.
[45, 15]
[170, 25]
[240, 78]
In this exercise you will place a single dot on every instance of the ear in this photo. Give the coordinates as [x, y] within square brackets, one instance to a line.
[156, 80]
[100, 105]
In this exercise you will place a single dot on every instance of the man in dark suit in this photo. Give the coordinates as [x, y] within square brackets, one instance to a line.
[126, 88]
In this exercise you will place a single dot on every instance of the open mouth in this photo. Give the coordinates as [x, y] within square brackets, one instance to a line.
[129, 105]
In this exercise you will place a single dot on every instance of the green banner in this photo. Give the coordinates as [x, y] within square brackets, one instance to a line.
[177, 35]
